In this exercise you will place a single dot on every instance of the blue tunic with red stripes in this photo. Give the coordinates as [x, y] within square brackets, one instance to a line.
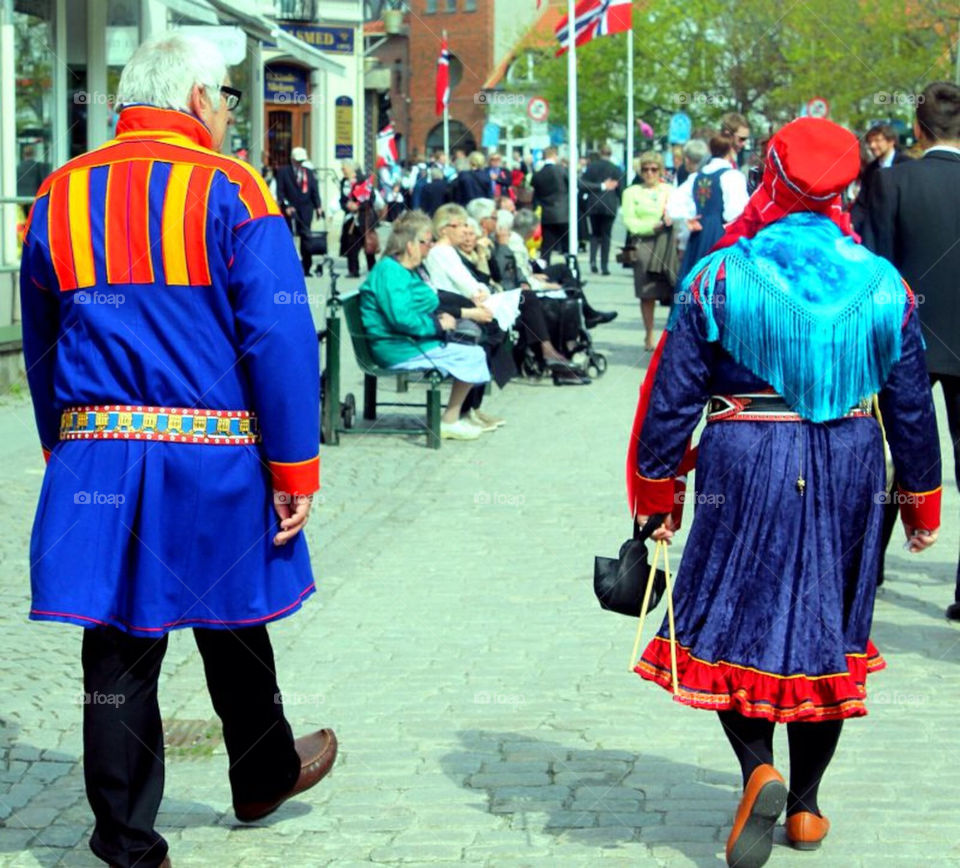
[160, 275]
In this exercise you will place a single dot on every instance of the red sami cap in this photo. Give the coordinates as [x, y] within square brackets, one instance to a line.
[809, 163]
[810, 159]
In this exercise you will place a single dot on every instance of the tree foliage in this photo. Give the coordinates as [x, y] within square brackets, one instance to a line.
[867, 58]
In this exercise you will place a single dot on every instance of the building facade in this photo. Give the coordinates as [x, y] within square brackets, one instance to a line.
[60, 63]
[480, 34]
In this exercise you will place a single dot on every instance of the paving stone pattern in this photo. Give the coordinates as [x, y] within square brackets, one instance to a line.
[482, 699]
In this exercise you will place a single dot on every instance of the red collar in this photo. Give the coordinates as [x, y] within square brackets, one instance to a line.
[147, 121]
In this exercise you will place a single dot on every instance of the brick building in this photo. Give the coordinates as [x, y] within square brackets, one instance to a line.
[480, 35]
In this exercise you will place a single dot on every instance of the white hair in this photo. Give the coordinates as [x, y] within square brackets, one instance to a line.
[474, 226]
[504, 219]
[481, 209]
[164, 70]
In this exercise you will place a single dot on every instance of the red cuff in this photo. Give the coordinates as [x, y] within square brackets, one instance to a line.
[653, 495]
[299, 477]
[920, 509]
[46, 456]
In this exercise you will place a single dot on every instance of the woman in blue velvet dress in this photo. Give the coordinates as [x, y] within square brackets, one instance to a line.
[790, 331]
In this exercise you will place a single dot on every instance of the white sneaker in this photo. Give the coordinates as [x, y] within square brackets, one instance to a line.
[487, 419]
[459, 430]
[475, 419]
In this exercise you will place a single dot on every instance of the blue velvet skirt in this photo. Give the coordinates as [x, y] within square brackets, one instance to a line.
[774, 595]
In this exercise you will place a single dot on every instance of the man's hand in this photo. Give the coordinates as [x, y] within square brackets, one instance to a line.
[918, 539]
[293, 511]
[447, 322]
[291, 210]
[320, 214]
[610, 184]
[664, 532]
[353, 206]
[695, 225]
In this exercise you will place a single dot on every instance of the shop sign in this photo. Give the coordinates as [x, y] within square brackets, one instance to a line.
[285, 84]
[343, 128]
[336, 40]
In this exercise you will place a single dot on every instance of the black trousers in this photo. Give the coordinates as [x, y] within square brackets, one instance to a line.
[951, 396]
[601, 228]
[554, 240]
[123, 734]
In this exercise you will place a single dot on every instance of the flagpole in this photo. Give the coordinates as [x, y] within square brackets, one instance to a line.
[631, 126]
[446, 111]
[573, 242]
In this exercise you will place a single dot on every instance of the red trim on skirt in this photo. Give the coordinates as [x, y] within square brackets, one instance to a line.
[753, 693]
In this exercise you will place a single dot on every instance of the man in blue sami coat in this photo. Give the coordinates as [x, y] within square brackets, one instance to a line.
[176, 392]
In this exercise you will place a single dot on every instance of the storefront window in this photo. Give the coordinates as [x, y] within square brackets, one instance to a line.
[33, 39]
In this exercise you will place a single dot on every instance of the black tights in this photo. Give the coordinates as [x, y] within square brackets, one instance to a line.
[811, 749]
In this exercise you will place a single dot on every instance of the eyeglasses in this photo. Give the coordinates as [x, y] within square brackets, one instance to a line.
[232, 96]
[645, 169]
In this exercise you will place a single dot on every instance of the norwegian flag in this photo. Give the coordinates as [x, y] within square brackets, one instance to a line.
[443, 78]
[593, 18]
[387, 144]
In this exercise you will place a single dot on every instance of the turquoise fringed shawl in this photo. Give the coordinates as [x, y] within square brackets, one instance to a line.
[807, 310]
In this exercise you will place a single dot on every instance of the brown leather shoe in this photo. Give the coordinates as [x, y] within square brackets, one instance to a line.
[806, 830]
[751, 838]
[317, 752]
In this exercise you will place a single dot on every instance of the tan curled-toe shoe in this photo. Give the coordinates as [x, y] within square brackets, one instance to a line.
[806, 830]
[317, 752]
[751, 838]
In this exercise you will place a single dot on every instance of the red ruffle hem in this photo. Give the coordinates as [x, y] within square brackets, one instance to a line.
[781, 698]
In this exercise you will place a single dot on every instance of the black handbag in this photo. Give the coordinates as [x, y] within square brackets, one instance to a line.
[620, 582]
[313, 243]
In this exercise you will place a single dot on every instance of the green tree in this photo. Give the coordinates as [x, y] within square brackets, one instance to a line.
[866, 57]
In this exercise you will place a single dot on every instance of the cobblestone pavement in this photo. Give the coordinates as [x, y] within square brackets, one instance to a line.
[481, 697]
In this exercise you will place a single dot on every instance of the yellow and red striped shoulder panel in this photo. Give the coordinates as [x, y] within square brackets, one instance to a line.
[252, 189]
[131, 249]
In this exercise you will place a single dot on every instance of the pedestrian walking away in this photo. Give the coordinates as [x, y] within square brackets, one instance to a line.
[784, 343]
[914, 221]
[175, 389]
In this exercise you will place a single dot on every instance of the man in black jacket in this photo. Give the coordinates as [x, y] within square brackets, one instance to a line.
[882, 141]
[299, 198]
[914, 221]
[602, 180]
[551, 192]
[435, 192]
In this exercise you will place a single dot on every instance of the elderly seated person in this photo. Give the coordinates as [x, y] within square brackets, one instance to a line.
[525, 224]
[475, 252]
[463, 296]
[406, 333]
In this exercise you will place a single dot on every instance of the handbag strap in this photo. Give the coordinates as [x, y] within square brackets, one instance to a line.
[644, 533]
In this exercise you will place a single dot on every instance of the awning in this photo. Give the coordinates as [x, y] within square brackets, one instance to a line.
[259, 28]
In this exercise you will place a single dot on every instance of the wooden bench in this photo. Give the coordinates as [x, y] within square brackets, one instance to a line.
[372, 372]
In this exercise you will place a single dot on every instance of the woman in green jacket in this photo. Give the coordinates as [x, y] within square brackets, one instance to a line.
[406, 332]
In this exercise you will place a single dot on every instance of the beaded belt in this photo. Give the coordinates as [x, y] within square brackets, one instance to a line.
[764, 407]
[167, 424]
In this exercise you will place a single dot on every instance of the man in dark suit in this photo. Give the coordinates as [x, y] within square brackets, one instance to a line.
[551, 192]
[299, 198]
[882, 141]
[602, 180]
[435, 192]
[914, 221]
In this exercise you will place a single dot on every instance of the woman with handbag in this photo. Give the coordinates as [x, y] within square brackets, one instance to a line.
[791, 330]
[360, 202]
[650, 240]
